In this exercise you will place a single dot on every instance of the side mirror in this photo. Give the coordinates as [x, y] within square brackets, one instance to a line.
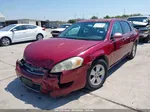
[117, 35]
[13, 30]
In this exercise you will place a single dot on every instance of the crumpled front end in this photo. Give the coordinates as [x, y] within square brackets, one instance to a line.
[58, 84]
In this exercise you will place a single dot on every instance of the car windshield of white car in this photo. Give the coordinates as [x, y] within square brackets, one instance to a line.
[86, 31]
[7, 28]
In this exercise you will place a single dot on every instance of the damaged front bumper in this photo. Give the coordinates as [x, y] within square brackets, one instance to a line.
[58, 84]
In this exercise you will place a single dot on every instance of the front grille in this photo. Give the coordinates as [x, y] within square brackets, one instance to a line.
[139, 27]
[28, 83]
[32, 69]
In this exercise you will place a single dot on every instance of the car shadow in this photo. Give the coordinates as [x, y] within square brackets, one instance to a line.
[142, 43]
[44, 101]
[39, 100]
[117, 66]
[24, 42]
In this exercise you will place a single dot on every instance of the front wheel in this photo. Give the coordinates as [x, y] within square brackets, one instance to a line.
[133, 52]
[96, 75]
[5, 41]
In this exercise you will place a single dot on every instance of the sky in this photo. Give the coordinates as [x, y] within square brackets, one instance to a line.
[68, 9]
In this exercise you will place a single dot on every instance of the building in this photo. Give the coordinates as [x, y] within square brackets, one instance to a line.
[2, 18]
[53, 24]
[26, 21]
[47, 23]
[42, 23]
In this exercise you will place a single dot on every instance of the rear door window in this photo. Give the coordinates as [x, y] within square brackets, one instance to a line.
[125, 26]
[31, 27]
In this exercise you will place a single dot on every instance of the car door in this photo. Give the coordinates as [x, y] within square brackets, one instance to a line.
[19, 33]
[128, 35]
[31, 32]
[118, 43]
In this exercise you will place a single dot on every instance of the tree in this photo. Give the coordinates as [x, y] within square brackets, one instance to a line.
[72, 21]
[123, 16]
[106, 17]
[94, 17]
[138, 14]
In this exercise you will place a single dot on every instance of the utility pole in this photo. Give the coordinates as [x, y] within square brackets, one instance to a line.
[83, 16]
[124, 12]
[97, 15]
[75, 16]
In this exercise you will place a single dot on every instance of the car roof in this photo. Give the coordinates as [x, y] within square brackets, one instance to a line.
[101, 20]
[23, 24]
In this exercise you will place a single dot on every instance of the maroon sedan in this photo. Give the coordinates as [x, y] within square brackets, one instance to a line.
[79, 57]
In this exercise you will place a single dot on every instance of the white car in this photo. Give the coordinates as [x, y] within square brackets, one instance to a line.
[61, 28]
[20, 32]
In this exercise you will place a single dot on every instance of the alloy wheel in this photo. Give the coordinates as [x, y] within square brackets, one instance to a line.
[97, 74]
[5, 41]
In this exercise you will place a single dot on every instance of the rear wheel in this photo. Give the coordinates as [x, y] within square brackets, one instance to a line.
[39, 37]
[133, 52]
[96, 75]
[5, 41]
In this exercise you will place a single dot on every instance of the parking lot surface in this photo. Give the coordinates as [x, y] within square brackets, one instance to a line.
[127, 86]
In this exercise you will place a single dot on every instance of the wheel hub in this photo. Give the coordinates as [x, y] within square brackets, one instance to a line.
[97, 74]
[5, 41]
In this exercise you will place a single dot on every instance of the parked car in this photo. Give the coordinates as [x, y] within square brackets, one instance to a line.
[2, 24]
[142, 24]
[20, 32]
[80, 57]
[61, 28]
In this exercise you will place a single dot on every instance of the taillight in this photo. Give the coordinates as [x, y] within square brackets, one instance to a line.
[43, 29]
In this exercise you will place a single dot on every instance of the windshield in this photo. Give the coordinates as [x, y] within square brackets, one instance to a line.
[86, 31]
[7, 28]
[64, 26]
[139, 19]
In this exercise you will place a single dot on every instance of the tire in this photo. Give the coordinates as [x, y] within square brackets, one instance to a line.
[147, 39]
[39, 37]
[5, 41]
[54, 35]
[96, 80]
[133, 52]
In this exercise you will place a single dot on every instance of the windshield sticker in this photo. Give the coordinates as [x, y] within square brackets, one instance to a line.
[99, 25]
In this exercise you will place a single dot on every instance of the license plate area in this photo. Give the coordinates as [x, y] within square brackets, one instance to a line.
[30, 84]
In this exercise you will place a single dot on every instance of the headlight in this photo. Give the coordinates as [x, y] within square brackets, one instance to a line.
[68, 64]
[146, 31]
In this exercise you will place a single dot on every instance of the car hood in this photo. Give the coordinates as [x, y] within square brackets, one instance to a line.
[138, 23]
[59, 29]
[47, 53]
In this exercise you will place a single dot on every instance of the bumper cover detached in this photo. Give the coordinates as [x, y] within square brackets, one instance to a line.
[54, 84]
